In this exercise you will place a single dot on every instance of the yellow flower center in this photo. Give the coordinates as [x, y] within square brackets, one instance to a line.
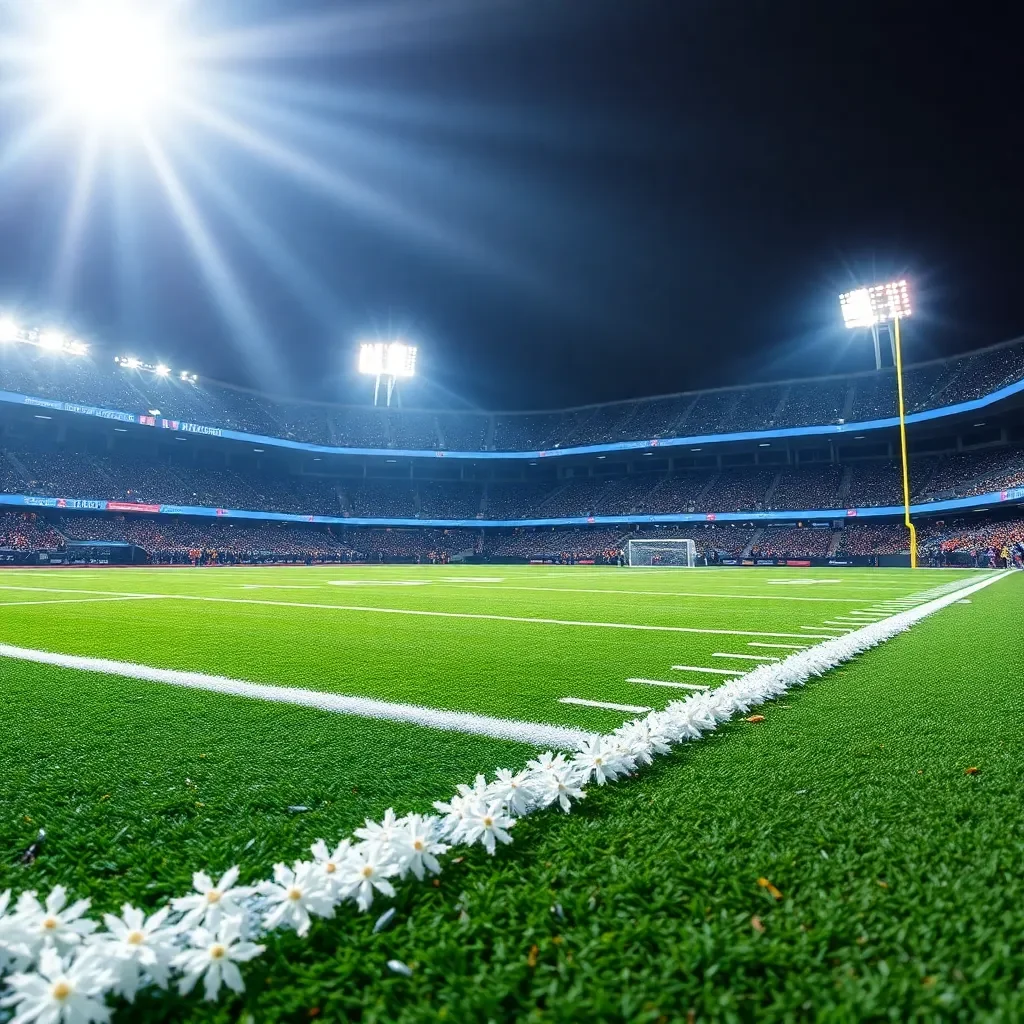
[213, 896]
[488, 822]
[417, 844]
[217, 952]
[598, 760]
[330, 867]
[61, 990]
[50, 923]
[294, 893]
[367, 871]
[135, 939]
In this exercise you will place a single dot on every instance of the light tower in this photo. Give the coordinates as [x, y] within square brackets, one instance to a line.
[387, 362]
[880, 308]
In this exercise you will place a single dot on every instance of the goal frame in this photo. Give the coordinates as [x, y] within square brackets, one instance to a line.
[685, 543]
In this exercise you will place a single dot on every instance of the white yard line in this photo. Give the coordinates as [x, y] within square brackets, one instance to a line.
[708, 671]
[674, 686]
[371, 609]
[781, 647]
[74, 600]
[633, 709]
[745, 657]
[537, 733]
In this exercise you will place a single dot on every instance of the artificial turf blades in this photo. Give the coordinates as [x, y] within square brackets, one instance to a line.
[653, 882]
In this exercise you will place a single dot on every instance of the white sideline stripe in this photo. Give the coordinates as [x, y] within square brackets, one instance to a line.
[71, 600]
[746, 657]
[781, 647]
[420, 611]
[536, 733]
[636, 709]
[675, 686]
[709, 671]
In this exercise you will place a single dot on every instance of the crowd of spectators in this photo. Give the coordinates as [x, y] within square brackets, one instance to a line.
[790, 488]
[794, 542]
[969, 473]
[798, 403]
[178, 540]
[421, 545]
[188, 541]
[562, 546]
[983, 543]
[738, 490]
[862, 539]
[807, 487]
[25, 531]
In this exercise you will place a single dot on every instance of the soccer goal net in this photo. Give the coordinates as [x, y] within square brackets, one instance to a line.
[662, 553]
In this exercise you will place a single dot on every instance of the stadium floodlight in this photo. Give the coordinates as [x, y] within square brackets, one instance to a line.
[865, 307]
[388, 362]
[161, 371]
[76, 348]
[8, 329]
[882, 307]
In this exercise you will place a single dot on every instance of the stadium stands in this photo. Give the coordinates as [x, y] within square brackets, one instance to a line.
[825, 486]
[797, 403]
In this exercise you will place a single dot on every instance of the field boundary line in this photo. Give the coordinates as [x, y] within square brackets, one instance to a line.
[537, 733]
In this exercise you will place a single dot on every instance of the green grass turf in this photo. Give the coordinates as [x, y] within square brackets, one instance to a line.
[656, 878]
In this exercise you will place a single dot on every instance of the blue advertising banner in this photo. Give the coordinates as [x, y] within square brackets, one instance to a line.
[924, 508]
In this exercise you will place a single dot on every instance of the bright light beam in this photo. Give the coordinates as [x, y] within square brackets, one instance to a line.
[231, 301]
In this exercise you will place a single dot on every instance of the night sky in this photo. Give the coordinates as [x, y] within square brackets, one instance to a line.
[560, 201]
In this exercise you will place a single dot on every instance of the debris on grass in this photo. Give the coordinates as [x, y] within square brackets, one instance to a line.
[765, 884]
[29, 856]
[397, 967]
[384, 920]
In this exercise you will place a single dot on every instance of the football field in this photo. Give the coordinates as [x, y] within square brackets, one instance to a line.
[160, 721]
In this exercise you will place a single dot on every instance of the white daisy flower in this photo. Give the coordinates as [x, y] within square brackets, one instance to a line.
[295, 894]
[416, 848]
[12, 941]
[547, 762]
[212, 903]
[598, 757]
[562, 786]
[454, 816]
[135, 946]
[59, 992]
[514, 791]
[366, 868]
[51, 925]
[379, 833]
[642, 739]
[328, 862]
[214, 957]
[487, 824]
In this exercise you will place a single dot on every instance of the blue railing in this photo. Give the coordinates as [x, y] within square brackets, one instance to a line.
[824, 429]
[1015, 494]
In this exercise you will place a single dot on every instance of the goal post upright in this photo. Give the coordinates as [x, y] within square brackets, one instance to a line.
[677, 553]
